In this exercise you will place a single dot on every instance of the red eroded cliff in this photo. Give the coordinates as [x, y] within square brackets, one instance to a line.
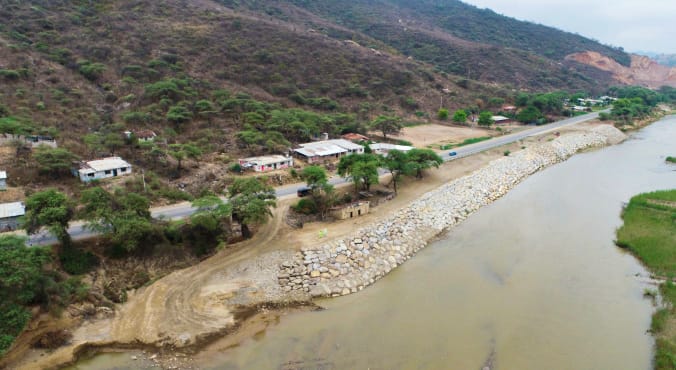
[643, 71]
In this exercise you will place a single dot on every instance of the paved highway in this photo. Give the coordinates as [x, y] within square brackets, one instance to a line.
[184, 209]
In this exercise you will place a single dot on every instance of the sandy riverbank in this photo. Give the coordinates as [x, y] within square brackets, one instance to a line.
[191, 307]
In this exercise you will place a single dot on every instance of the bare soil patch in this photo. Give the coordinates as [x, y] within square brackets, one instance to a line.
[434, 134]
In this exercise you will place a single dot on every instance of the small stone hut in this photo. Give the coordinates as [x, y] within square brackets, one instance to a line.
[351, 210]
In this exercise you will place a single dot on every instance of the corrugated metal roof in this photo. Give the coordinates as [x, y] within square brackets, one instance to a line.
[3, 175]
[328, 147]
[266, 159]
[14, 209]
[104, 164]
[321, 149]
[386, 146]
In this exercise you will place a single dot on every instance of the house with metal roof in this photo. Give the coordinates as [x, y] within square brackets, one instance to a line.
[502, 120]
[10, 213]
[384, 148]
[266, 163]
[102, 169]
[327, 150]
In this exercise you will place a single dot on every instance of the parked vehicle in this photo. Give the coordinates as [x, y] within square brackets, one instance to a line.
[452, 154]
[303, 192]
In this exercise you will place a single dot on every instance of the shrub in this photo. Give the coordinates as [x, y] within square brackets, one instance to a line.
[507, 153]
[306, 206]
[671, 159]
[76, 261]
[91, 71]
[442, 114]
[4, 111]
[603, 116]
[404, 142]
[235, 167]
[10, 74]
[136, 117]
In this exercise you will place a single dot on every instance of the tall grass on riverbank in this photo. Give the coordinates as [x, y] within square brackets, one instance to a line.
[649, 231]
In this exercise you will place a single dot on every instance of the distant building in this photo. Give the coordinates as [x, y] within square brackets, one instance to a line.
[350, 211]
[354, 137]
[145, 135]
[579, 108]
[142, 135]
[508, 108]
[502, 120]
[384, 148]
[327, 150]
[3, 180]
[102, 169]
[10, 213]
[266, 163]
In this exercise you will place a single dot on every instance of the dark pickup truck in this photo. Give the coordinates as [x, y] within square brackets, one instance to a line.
[303, 192]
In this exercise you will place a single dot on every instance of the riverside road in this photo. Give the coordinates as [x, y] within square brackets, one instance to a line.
[78, 231]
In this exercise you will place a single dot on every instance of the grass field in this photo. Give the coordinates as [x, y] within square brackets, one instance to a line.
[649, 232]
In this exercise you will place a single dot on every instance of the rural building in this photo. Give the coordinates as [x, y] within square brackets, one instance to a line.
[579, 108]
[384, 148]
[102, 169]
[354, 137]
[351, 210]
[501, 120]
[3, 180]
[327, 150]
[588, 102]
[145, 135]
[266, 163]
[10, 214]
[508, 108]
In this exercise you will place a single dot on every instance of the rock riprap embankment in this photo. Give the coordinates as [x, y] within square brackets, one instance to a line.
[347, 265]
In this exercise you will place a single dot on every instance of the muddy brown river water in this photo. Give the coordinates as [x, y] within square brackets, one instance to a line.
[532, 281]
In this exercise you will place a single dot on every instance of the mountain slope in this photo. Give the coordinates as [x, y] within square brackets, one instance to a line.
[454, 37]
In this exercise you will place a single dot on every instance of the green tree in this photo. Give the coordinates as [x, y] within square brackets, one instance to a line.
[54, 161]
[485, 118]
[251, 200]
[123, 217]
[323, 193]
[528, 114]
[181, 152]
[205, 108]
[179, 114]
[397, 162]
[21, 283]
[362, 169]
[422, 159]
[442, 114]
[209, 224]
[92, 71]
[460, 116]
[387, 125]
[51, 209]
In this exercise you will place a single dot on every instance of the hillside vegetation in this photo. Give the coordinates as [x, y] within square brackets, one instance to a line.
[220, 79]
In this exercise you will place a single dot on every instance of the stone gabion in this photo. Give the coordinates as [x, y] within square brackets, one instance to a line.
[348, 265]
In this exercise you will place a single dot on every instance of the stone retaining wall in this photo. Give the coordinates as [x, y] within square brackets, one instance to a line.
[347, 265]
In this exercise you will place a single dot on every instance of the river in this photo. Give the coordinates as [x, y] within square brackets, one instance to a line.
[532, 281]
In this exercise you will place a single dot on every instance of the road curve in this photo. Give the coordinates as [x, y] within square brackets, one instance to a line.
[185, 209]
